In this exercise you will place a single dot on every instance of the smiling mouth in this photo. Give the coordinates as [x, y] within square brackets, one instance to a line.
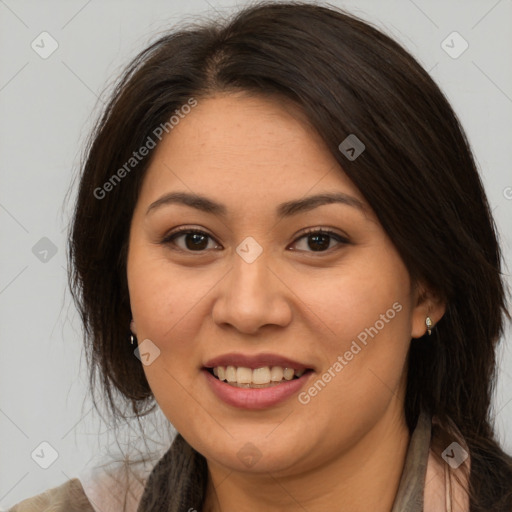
[264, 377]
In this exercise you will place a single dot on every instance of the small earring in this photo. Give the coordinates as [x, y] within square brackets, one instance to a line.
[429, 324]
[132, 337]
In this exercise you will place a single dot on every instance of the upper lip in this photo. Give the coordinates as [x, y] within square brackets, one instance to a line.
[254, 361]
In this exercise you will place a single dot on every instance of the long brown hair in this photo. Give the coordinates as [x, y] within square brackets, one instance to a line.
[417, 173]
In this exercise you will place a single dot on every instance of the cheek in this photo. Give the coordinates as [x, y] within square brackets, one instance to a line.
[361, 301]
[168, 303]
[163, 296]
[366, 324]
[163, 308]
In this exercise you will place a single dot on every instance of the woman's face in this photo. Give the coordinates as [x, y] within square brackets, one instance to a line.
[254, 291]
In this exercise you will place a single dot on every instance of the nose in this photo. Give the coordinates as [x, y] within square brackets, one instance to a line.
[252, 296]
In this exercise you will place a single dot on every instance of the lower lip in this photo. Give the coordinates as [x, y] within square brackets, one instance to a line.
[255, 398]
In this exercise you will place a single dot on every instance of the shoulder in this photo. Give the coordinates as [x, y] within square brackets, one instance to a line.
[448, 469]
[118, 487]
[67, 497]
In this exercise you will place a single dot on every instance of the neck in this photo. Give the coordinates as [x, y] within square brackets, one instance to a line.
[365, 478]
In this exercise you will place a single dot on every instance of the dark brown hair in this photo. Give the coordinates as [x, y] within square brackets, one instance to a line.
[417, 173]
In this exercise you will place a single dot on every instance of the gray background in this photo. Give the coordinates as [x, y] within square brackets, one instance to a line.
[46, 110]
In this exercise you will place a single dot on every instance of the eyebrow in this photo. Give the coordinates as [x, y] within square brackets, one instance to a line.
[283, 210]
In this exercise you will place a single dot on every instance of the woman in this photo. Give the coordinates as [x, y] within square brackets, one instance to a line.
[283, 215]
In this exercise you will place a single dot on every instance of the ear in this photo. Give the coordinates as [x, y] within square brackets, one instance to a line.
[426, 303]
[132, 328]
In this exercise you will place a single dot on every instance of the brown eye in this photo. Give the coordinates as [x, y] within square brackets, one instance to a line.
[194, 240]
[320, 240]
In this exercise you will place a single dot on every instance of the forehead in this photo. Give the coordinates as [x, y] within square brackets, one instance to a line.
[245, 144]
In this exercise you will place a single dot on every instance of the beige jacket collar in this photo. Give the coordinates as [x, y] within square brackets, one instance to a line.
[428, 485]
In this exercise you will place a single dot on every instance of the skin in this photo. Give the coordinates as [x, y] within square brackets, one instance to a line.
[348, 444]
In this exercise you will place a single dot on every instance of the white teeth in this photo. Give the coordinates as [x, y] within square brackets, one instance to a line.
[288, 373]
[230, 373]
[261, 375]
[242, 376]
[276, 374]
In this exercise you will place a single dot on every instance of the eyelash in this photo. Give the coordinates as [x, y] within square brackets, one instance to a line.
[171, 237]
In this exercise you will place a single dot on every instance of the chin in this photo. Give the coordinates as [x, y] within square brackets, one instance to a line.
[255, 455]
